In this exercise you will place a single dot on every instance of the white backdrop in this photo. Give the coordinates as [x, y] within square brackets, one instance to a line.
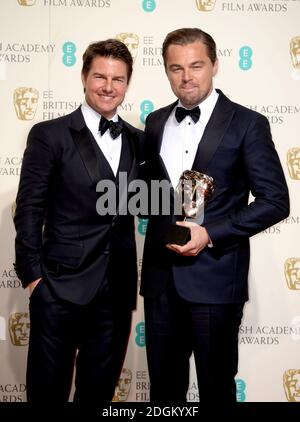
[41, 45]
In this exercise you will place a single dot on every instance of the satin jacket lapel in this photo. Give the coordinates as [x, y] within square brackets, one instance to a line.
[133, 143]
[82, 139]
[157, 135]
[214, 132]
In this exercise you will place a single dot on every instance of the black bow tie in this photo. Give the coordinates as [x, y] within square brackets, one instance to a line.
[115, 128]
[181, 113]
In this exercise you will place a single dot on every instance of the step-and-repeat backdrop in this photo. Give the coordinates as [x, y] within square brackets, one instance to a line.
[41, 45]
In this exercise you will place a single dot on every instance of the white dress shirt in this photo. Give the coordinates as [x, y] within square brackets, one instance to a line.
[110, 147]
[180, 140]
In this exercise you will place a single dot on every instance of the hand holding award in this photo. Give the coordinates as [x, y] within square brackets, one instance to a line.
[191, 194]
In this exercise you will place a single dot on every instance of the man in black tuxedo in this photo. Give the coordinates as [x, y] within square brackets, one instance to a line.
[194, 294]
[80, 266]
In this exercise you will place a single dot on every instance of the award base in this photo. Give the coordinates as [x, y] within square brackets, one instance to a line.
[178, 235]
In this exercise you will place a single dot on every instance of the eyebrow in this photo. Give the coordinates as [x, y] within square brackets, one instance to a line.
[191, 64]
[198, 62]
[114, 77]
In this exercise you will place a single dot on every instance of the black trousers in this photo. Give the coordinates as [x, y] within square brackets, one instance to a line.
[176, 328]
[93, 336]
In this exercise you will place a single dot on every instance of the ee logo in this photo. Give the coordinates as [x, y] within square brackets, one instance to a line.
[245, 54]
[149, 5]
[69, 50]
[142, 226]
[240, 390]
[146, 107]
[140, 334]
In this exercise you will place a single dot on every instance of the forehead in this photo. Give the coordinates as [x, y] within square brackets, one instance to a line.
[108, 65]
[196, 50]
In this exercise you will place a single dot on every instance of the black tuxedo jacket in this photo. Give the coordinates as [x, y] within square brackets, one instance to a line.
[60, 235]
[237, 151]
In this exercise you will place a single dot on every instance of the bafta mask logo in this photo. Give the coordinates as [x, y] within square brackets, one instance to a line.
[291, 383]
[123, 387]
[131, 41]
[295, 52]
[293, 163]
[25, 102]
[26, 2]
[19, 326]
[205, 5]
[292, 273]
[13, 209]
[295, 57]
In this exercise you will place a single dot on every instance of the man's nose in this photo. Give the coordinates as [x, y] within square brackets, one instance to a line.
[108, 85]
[186, 76]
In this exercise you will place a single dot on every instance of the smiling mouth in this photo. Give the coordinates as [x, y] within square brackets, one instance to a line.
[106, 97]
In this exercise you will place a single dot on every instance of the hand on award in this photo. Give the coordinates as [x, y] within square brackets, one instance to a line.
[191, 195]
[199, 240]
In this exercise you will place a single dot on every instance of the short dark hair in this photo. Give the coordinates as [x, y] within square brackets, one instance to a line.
[186, 36]
[107, 48]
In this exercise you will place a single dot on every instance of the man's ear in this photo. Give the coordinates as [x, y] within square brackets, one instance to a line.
[215, 67]
[83, 81]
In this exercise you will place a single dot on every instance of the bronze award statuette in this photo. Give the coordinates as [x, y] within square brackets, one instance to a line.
[191, 194]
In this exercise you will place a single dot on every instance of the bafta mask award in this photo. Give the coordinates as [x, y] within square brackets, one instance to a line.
[191, 194]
